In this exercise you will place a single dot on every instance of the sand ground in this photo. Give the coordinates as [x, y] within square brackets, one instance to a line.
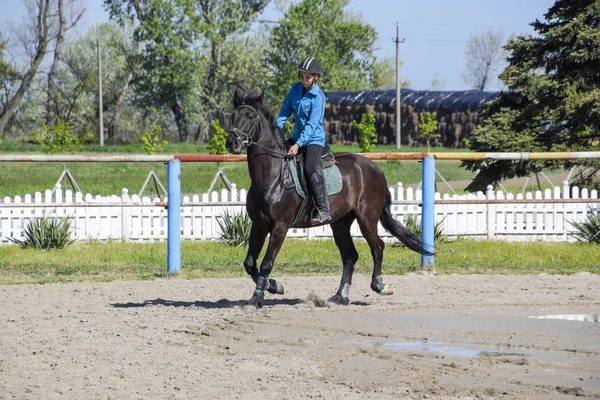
[437, 337]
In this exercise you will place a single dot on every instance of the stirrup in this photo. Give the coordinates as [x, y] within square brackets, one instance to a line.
[320, 217]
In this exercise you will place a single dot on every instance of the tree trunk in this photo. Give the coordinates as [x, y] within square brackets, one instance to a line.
[118, 107]
[181, 120]
[42, 30]
[52, 96]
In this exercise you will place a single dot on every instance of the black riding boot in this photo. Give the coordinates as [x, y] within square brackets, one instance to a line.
[319, 193]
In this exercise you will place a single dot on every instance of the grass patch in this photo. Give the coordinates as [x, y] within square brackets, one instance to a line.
[100, 262]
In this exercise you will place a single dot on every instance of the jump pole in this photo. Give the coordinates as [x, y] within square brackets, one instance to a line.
[174, 216]
[428, 211]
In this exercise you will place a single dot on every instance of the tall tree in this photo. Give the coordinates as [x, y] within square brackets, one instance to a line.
[553, 103]
[166, 31]
[230, 56]
[39, 37]
[66, 18]
[8, 75]
[322, 28]
[484, 56]
[186, 49]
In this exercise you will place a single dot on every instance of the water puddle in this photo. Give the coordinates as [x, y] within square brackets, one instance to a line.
[440, 348]
[595, 318]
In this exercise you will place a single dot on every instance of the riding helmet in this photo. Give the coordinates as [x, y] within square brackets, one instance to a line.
[311, 65]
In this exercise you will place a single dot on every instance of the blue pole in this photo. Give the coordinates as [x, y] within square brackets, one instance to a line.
[428, 210]
[174, 217]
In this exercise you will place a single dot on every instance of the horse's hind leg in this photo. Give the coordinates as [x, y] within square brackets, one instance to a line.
[343, 240]
[368, 227]
[255, 245]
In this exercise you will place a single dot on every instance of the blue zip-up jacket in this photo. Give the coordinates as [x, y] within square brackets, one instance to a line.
[308, 112]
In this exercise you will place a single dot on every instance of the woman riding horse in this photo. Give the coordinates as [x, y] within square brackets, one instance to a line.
[306, 101]
[273, 205]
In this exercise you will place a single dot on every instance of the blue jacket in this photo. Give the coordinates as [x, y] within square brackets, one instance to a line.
[308, 113]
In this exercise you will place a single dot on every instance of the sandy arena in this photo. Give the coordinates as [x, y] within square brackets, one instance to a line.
[437, 337]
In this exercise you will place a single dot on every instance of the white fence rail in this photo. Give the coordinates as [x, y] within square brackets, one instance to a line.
[534, 216]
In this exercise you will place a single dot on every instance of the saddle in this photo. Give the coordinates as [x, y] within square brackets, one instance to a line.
[294, 171]
[327, 160]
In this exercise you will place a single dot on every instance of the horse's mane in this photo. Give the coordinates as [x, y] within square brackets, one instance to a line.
[254, 99]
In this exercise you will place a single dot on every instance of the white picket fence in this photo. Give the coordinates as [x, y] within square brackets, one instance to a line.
[493, 215]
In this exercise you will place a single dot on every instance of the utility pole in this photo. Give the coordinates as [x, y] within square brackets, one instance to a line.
[398, 98]
[100, 106]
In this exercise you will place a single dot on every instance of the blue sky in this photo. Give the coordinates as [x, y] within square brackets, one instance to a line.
[435, 32]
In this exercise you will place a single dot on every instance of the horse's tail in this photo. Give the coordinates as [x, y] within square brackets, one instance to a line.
[394, 227]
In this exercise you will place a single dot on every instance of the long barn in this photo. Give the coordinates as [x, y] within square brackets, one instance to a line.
[457, 114]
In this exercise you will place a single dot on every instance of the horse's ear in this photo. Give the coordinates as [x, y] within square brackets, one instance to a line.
[261, 97]
[236, 99]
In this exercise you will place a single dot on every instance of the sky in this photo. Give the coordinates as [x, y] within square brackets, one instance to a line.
[435, 32]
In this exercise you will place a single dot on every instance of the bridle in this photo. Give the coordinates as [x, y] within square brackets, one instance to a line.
[245, 137]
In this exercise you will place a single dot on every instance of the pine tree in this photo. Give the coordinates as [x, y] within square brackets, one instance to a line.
[553, 98]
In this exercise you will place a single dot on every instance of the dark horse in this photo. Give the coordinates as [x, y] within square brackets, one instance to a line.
[272, 206]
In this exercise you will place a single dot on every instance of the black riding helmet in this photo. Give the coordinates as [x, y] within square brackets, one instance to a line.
[311, 65]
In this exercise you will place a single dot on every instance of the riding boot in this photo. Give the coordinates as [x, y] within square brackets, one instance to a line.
[319, 193]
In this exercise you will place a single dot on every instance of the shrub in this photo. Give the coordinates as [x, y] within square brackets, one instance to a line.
[216, 144]
[235, 228]
[46, 233]
[151, 141]
[367, 135]
[59, 140]
[589, 230]
[428, 127]
[413, 225]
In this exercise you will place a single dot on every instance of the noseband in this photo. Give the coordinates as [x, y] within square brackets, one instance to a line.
[246, 137]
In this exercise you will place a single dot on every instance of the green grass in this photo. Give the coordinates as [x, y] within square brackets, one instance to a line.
[110, 178]
[98, 262]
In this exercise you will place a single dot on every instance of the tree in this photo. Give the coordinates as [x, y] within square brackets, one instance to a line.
[483, 58]
[341, 41]
[65, 22]
[428, 127]
[553, 103]
[230, 56]
[39, 37]
[77, 82]
[186, 50]
[166, 32]
[8, 76]
[436, 82]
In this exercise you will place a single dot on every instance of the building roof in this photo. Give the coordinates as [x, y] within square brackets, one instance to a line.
[424, 99]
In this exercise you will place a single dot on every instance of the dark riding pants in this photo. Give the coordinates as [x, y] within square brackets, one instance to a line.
[312, 158]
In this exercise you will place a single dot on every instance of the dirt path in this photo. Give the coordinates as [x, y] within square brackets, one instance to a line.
[437, 337]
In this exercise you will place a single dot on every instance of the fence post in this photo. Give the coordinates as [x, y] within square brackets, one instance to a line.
[428, 210]
[174, 217]
[491, 213]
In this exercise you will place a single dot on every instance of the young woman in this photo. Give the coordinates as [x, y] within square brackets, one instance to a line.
[306, 101]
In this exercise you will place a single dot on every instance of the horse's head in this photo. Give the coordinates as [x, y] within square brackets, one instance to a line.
[245, 122]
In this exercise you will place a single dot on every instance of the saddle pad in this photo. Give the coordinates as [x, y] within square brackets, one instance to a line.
[333, 179]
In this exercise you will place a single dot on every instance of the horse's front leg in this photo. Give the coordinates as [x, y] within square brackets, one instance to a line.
[255, 245]
[263, 283]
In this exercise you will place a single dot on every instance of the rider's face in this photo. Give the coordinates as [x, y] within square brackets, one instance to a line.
[306, 79]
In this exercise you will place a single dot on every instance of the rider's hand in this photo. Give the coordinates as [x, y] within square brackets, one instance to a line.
[293, 150]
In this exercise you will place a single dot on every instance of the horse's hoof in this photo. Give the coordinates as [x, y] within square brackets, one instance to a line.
[387, 290]
[254, 303]
[338, 299]
[249, 308]
[275, 287]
